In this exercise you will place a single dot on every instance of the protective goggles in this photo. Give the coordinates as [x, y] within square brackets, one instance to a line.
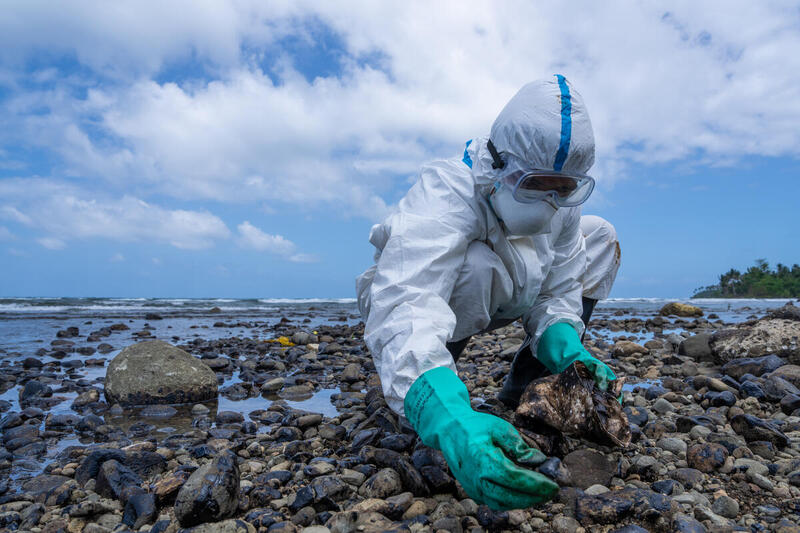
[565, 190]
[532, 185]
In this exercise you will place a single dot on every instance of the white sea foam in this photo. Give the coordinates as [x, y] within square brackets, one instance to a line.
[307, 300]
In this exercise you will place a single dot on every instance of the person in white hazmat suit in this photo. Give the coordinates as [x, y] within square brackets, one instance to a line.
[477, 243]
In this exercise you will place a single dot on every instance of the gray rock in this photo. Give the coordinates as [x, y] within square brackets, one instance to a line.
[614, 506]
[211, 492]
[301, 337]
[227, 526]
[117, 481]
[594, 490]
[790, 373]
[41, 486]
[789, 312]
[706, 457]
[790, 403]
[720, 399]
[761, 481]
[85, 398]
[680, 309]
[351, 373]
[751, 389]
[588, 467]
[687, 476]
[273, 385]
[90, 466]
[696, 347]
[775, 388]
[663, 406]
[749, 465]
[701, 513]
[753, 428]
[647, 466]
[726, 506]
[155, 372]
[565, 524]
[753, 365]
[34, 389]
[687, 524]
[628, 529]
[672, 444]
[25, 431]
[357, 478]
[386, 482]
[637, 415]
[771, 336]
[330, 488]
[140, 509]
[699, 432]
[768, 510]
[31, 515]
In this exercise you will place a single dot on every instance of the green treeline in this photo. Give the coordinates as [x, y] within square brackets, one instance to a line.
[758, 281]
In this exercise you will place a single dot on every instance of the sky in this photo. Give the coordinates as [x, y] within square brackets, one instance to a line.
[244, 149]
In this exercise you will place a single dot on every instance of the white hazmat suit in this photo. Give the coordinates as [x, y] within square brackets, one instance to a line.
[446, 268]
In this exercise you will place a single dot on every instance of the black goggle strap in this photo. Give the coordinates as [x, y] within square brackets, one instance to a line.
[498, 162]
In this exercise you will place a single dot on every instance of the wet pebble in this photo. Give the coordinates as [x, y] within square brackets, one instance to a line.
[706, 457]
[386, 482]
[210, 493]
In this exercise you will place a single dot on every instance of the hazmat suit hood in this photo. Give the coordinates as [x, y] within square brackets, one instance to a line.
[545, 125]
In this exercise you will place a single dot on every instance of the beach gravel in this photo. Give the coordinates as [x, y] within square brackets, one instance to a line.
[299, 437]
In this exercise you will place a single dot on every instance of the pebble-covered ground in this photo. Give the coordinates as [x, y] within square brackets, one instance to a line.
[301, 439]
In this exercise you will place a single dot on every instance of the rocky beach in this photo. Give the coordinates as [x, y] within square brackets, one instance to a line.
[273, 420]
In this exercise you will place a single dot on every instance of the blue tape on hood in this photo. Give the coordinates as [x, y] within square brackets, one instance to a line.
[566, 124]
[467, 159]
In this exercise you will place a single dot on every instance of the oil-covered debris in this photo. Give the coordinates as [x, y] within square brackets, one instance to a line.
[570, 404]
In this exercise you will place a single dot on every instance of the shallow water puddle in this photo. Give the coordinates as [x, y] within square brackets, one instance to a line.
[320, 402]
[643, 385]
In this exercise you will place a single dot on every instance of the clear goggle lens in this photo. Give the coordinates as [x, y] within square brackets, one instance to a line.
[565, 190]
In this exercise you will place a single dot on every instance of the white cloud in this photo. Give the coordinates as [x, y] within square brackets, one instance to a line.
[5, 234]
[12, 213]
[252, 238]
[702, 82]
[51, 243]
[67, 213]
[303, 258]
[117, 258]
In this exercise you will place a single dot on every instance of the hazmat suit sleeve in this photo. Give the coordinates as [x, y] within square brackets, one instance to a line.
[560, 297]
[410, 321]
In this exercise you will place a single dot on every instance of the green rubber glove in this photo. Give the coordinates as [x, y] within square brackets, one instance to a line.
[483, 451]
[560, 346]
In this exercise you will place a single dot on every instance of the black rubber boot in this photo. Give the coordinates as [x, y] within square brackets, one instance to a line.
[457, 347]
[586, 315]
[524, 369]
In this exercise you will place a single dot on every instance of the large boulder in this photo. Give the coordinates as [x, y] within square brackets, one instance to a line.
[777, 336]
[696, 347]
[679, 309]
[155, 372]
